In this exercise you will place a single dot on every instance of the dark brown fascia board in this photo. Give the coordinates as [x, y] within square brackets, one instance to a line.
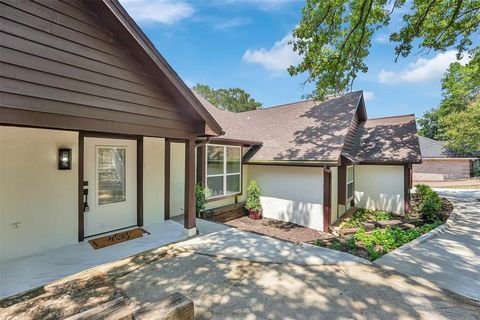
[388, 162]
[235, 142]
[146, 45]
[294, 163]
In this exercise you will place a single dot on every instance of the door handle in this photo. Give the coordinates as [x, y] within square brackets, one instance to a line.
[86, 208]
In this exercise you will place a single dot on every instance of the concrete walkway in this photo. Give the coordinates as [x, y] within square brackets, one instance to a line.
[234, 274]
[451, 259]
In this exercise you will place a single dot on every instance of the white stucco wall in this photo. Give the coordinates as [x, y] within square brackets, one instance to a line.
[379, 187]
[177, 178]
[34, 193]
[153, 180]
[293, 194]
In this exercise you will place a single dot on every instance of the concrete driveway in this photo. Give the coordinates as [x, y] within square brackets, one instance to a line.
[233, 274]
[451, 259]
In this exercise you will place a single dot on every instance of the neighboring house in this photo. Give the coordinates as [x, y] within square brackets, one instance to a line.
[313, 161]
[440, 164]
[81, 76]
[98, 133]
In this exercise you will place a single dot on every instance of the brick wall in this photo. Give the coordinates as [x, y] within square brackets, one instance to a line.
[441, 170]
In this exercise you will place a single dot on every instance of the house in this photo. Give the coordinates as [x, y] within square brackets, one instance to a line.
[87, 104]
[312, 160]
[98, 133]
[440, 164]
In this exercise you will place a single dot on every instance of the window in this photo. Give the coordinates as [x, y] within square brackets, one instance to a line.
[223, 170]
[111, 175]
[349, 182]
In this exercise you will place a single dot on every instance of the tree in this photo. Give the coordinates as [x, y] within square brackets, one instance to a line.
[460, 86]
[334, 36]
[233, 99]
[463, 129]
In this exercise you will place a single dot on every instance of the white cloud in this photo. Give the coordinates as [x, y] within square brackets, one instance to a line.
[262, 4]
[162, 11]
[382, 38]
[368, 95]
[277, 58]
[423, 70]
[231, 23]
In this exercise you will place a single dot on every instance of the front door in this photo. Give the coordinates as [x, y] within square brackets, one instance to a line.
[110, 170]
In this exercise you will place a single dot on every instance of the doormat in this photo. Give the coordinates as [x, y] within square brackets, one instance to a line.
[119, 237]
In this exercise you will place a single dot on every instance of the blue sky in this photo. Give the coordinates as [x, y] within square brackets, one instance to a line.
[244, 43]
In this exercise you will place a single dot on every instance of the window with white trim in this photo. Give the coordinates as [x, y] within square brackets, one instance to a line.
[223, 170]
[349, 182]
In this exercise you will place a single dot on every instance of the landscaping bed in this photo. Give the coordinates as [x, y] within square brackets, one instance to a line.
[279, 229]
[373, 233]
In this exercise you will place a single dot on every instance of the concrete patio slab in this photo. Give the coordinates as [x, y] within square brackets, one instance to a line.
[450, 259]
[237, 244]
[25, 273]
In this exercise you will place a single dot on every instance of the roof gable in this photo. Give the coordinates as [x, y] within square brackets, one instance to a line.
[301, 131]
[125, 28]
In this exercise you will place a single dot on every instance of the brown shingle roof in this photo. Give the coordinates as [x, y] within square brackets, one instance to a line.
[302, 131]
[316, 131]
[389, 140]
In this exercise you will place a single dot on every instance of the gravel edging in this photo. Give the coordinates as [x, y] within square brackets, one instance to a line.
[429, 235]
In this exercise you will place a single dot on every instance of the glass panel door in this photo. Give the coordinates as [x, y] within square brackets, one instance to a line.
[111, 164]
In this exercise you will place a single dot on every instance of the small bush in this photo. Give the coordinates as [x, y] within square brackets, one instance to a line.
[253, 197]
[336, 245]
[366, 215]
[476, 172]
[422, 189]
[200, 199]
[430, 204]
[381, 241]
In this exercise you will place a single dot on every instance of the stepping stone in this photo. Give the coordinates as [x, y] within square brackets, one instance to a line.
[406, 226]
[415, 222]
[368, 225]
[387, 223]
[346, 231]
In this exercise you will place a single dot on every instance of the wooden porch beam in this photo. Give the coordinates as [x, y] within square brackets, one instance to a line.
[189, 208]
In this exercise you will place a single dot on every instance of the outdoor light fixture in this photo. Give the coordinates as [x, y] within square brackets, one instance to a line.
[64, 159]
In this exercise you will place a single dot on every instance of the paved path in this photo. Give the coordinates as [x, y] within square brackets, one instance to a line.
[451, 259]
[232, 274]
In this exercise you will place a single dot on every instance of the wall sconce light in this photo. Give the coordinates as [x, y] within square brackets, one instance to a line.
[64, 159]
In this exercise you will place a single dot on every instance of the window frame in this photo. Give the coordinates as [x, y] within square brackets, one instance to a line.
[349, 182]
[224, 174]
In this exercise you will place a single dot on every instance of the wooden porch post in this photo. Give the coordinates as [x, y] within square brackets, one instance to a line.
[189, 209]
[166, 209]
[327, 198]
[407, 184]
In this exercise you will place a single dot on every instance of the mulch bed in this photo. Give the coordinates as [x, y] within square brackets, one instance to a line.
[278, 229]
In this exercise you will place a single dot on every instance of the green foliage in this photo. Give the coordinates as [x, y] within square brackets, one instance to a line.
[200, 199]
[366, 215]
[334, 36]
[462, 129]
[233, 99]
[336, 245]
[460, 101]
[381, 241]
[476, 172]
[253, 197]
[430, 203]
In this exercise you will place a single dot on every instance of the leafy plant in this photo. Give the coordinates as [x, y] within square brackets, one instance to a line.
[253, 197]
[336, 245]
[366, 215]
[476, 172]
[381, 241]
[200, 198]
[430, 203]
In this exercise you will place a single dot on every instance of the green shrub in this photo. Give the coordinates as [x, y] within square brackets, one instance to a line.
[366, 215]
[253, 197]
[422, 189]
[381, 241]
[336, 245]
[200, 199]
[476, 172]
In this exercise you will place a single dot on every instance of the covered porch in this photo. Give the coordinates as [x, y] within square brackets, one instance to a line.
[36, 270]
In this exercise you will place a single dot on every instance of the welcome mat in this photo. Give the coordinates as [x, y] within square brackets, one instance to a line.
[119, 237]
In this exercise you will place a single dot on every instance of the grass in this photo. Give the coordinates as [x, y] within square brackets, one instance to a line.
[365, 215]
